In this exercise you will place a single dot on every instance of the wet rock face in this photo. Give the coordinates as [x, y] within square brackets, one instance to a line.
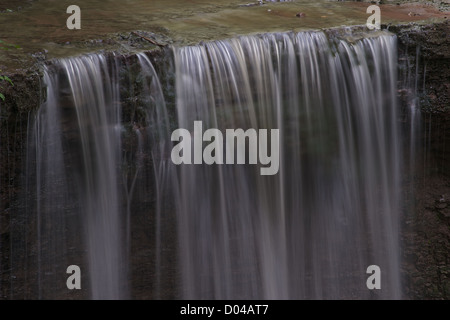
[20, 101]
[427, 50]
[434, 64]
[426, 239]
[425, 54]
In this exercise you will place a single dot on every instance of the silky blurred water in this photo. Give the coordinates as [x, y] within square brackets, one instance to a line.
[311, 230]
[102, 191]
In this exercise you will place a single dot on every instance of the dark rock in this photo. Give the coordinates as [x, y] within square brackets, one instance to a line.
[444, 215]
[441, 205]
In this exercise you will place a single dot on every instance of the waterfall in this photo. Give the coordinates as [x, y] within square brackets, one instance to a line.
[77, 145]
[311, 230]
[102, 191]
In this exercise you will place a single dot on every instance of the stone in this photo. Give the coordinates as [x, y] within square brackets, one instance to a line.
[441, 205]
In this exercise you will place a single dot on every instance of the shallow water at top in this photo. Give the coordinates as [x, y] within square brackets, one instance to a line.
[41, 25]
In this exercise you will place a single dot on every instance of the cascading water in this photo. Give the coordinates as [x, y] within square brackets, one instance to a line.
[98, 176]
[311, 230]
[77, 145]
[81, 180]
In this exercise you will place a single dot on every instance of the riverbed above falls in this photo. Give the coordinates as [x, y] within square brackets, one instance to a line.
[39, 27]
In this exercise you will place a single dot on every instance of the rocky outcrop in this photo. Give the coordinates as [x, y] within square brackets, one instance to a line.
[426, 69]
